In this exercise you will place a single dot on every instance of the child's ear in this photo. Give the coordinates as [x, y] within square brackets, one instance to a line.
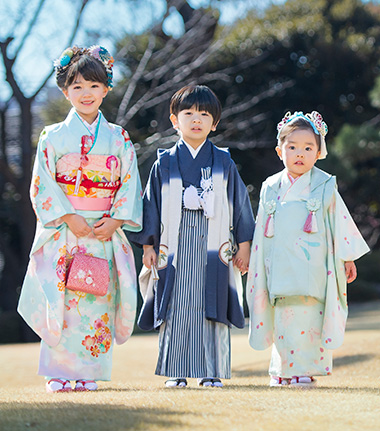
[213, 128]
[66, 93]
[105, 91]
[279, 152]
[174, 120]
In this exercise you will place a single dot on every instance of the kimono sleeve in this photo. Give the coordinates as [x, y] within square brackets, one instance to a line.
[127, 204]
[345, 243]
[48, 199]
[348, 242]
[261, 311]
[243, 221]
[150, 234]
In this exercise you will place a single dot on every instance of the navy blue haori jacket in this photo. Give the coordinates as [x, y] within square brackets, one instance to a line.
[174, 170]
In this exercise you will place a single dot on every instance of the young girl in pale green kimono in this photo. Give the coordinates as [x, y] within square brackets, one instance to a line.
[85, 188]
[302, 257]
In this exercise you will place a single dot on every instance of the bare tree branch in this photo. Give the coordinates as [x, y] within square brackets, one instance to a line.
[30, 27]
[135, 78]
[73, 34]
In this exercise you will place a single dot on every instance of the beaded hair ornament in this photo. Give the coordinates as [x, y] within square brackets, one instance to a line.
[95, 51]
[316, 121]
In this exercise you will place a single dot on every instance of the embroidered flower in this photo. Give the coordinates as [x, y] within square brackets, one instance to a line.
[313, 205]
[95, 350]
[81, 274]
[105, 318]
[90, 298]
[47, 205]
[119, 203]
[61, 286]
[99, 323]
[270, 207]
[88, 342]
[73, 303]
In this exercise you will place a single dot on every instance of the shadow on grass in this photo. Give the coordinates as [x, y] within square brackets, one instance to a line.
[63, 416]
[319, 388]
[351, 359]
[246, 371]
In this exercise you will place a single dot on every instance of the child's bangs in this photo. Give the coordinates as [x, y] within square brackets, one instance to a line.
[89, 68]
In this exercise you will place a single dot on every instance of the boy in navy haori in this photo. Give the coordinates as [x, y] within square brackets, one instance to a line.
[198, 224]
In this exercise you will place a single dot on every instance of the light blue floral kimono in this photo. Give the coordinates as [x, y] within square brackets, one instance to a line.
[296, 287]
[77, 329]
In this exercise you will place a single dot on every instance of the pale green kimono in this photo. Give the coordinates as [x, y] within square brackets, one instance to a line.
[296, 287]
[77, 329]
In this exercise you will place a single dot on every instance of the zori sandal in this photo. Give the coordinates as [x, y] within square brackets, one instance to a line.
[303, 381]
[58, 385]
[208, 382]
[176, 383]
[276, 381]
[85, 385]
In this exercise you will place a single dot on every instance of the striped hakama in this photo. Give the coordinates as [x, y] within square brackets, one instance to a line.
[189, 344]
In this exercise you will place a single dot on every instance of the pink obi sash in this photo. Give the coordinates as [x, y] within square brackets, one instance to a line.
[90, 204]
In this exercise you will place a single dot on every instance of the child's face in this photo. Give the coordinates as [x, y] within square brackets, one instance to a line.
[86, 97]
[193, 125]
[299, 152]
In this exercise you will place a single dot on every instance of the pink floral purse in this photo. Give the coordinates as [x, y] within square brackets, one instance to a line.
[88, 274]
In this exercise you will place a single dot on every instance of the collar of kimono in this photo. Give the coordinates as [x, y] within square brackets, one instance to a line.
[318, 177]
[172, 206]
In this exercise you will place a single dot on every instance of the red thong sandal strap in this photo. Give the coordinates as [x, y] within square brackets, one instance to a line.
[62, 382]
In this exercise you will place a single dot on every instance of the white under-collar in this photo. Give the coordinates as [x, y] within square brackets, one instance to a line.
[91, 127]
[193, 152]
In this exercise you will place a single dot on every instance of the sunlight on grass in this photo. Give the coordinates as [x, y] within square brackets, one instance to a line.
[136, 399]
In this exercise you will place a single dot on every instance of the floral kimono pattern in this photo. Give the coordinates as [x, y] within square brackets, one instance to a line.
[77, 329]
[296, 286]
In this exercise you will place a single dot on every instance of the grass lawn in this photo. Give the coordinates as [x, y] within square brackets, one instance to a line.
[136, 399]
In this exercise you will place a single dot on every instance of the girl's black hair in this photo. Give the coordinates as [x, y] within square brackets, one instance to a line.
[199, 96]
[82, 63]
[297, 124]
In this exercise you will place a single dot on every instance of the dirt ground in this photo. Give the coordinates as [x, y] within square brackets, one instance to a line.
[136, 399]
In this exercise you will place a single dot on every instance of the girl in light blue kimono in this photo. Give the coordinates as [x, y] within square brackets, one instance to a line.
[302, 259]
[194, 203]
[85, 188]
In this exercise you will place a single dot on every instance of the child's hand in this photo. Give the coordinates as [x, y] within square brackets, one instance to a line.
[149, 256]
[241, 258]
[105, 228]
[351, 273]
[77, 224]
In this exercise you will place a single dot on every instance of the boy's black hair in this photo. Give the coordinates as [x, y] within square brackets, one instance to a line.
[199, 96]
[82, 63]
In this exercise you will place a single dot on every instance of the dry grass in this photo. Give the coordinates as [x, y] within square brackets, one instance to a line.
[136, 400]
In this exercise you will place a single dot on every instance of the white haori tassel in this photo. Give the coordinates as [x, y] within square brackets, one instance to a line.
[270, 209]
[207, 200]
[311, 225]
[191, 198]
[78, 181]
[207, 197]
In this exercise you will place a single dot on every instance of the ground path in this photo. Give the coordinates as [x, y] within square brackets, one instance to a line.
[135, 399]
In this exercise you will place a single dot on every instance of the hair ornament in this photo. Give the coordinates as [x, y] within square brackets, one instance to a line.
[65, 58]
[95, 51]
[101, 54]
[316, 121]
